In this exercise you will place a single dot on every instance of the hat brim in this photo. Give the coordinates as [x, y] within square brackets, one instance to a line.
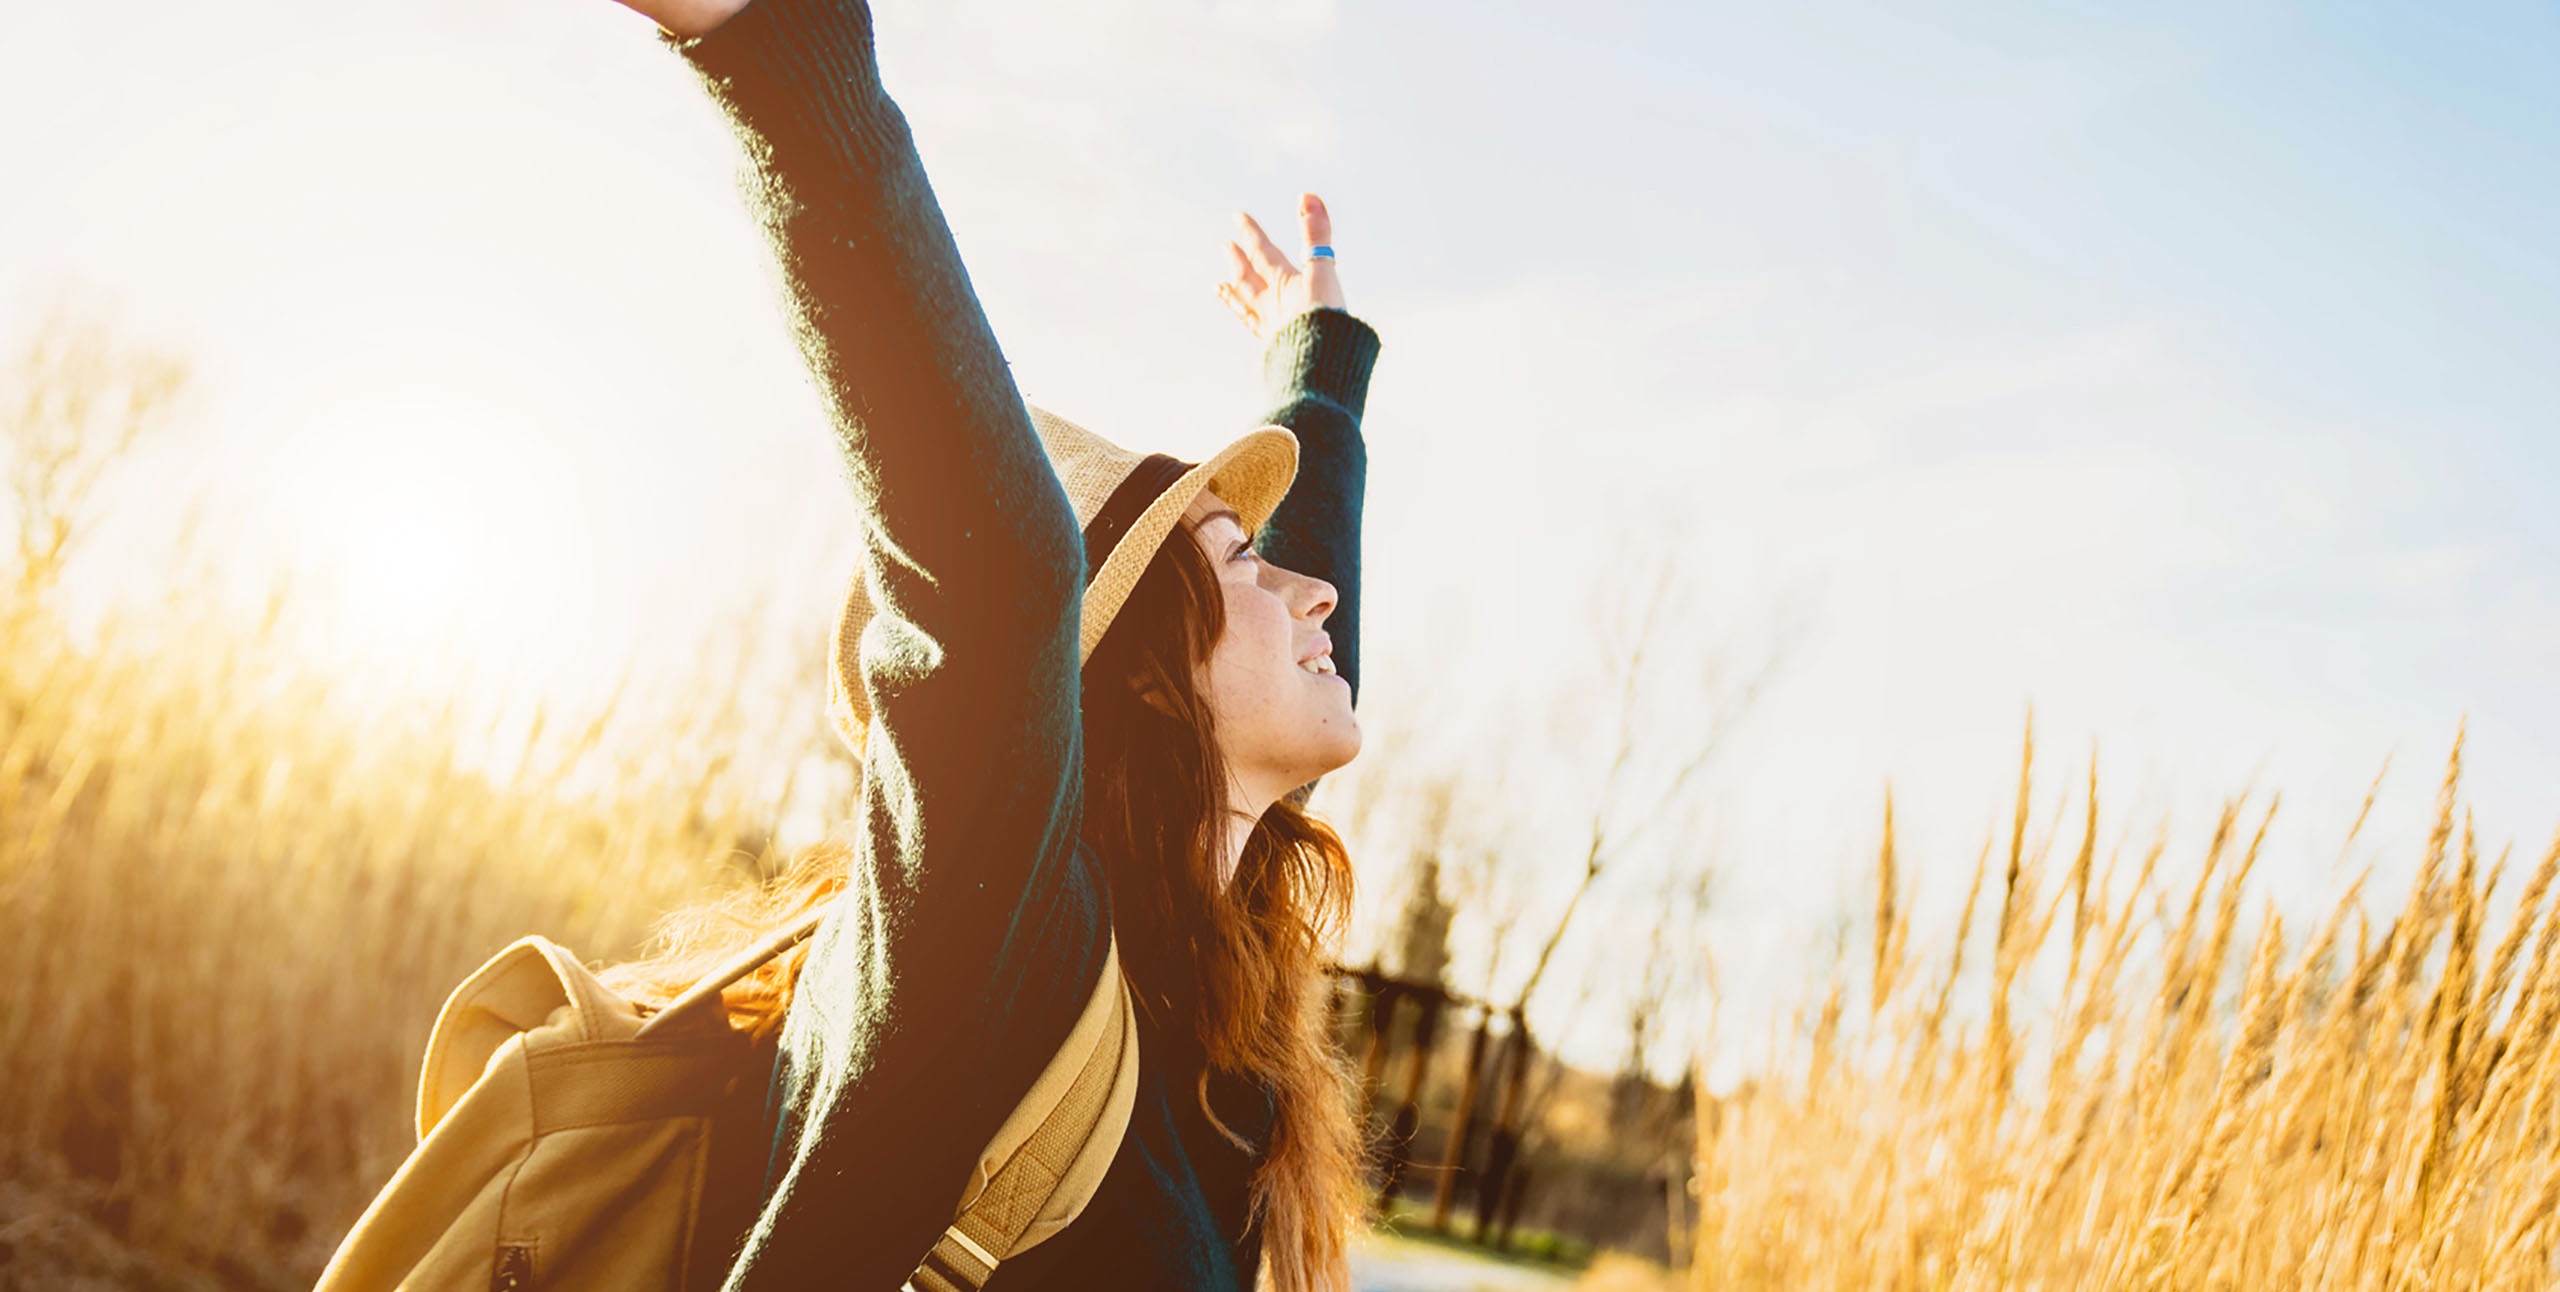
[1251, 474]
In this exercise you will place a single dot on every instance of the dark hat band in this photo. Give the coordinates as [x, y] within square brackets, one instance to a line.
[1136, 492]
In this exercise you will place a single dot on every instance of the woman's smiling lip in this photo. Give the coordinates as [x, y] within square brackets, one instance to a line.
[1319, 661]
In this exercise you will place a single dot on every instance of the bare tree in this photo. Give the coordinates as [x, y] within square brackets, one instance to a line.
[1665, 707]
[1439, 805]
[78, 399]
[1481, 888]
[1673, 962]
[1422, 928]
[1668, 698]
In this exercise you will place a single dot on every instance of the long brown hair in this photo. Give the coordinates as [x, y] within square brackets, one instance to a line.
[1230, 972]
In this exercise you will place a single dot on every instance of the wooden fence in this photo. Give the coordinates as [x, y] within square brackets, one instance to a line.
[1394, 1026]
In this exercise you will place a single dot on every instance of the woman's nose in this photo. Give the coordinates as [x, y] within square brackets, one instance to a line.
[1316, 598]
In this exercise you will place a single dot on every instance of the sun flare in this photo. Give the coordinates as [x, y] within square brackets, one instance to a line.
[400, 557]
[404, 563]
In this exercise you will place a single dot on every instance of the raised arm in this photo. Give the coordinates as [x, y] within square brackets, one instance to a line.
[972, 558]
[1316, 378]
[1315, 370]
[967, 913]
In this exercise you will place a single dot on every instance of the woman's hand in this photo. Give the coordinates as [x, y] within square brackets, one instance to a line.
[687, 17]
[1263, 288]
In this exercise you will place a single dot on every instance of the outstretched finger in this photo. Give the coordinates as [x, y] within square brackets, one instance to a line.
[1266, 254]
[1242, 273]
[1324, 277]
[1240, 307]
[1315, 223]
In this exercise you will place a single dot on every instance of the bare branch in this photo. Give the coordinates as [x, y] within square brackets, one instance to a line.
[76, 402]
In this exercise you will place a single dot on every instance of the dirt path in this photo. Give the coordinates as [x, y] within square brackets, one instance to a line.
[1382, 1264]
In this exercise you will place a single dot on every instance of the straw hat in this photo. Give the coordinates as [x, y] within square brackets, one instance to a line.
[1126, 503]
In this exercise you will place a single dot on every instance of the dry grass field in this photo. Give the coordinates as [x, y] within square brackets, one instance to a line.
[2209, 1099]
[235, 896]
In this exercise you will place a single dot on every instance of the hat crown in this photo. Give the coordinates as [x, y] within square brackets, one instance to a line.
[1089, 466]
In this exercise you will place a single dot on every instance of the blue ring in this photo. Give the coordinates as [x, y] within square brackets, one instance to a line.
[1320, 251]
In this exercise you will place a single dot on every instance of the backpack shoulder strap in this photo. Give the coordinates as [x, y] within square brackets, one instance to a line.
[520, 988]
[1049, 1157]
[735, 968]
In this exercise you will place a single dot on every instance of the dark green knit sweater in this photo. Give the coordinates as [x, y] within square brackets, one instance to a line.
[975, 924]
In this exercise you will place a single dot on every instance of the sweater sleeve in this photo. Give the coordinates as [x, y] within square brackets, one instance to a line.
[1316, 373]
[972, 927]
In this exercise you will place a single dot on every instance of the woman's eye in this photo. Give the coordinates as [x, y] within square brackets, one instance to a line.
[1244, 552]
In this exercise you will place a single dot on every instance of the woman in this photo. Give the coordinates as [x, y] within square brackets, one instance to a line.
[1085, 700]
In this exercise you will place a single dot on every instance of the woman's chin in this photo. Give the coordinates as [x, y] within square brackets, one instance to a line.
[1330, 748]
[1344, 745]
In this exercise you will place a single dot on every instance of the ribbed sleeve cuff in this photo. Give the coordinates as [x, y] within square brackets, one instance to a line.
[1323, 352]
[794, 70]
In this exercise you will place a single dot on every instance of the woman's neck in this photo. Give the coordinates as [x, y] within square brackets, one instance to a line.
[1244, 812]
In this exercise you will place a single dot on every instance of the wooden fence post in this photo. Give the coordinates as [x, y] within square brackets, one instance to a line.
[1426, 1029]
[1506, 1134]
[1453, 1155]
[1512, 1194]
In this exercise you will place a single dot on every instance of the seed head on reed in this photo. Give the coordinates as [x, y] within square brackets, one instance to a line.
[2368, 1108]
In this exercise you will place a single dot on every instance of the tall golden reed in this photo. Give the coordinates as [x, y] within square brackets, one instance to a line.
[2201, 1105]
[233, 901]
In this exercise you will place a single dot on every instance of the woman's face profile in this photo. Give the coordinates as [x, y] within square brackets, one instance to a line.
[1283, 715]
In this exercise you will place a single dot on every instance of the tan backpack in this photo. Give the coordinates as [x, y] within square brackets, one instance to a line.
[565, 1142]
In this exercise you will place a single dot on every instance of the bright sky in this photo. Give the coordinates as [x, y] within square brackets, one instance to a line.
[2187, 371]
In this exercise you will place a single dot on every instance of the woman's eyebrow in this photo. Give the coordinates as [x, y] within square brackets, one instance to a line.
[1229, 514]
